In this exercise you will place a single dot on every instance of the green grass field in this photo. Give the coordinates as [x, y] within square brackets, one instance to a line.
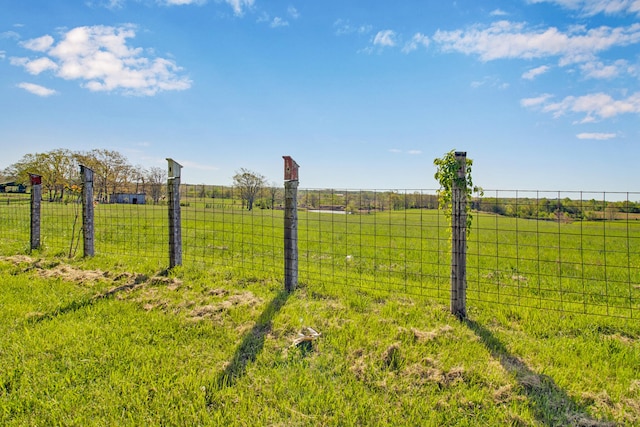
[117, 340]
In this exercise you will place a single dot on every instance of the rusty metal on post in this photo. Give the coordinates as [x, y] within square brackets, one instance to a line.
[88, 230]
[175, 225]
[459, 240]
[36, 199]
[290, 224]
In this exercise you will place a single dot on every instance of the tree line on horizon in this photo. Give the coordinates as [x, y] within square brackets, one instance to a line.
[112, 173]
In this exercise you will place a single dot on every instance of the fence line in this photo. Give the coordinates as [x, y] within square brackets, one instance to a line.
[574, 252]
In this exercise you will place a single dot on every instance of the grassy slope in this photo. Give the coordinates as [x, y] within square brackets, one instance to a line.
[203, 347]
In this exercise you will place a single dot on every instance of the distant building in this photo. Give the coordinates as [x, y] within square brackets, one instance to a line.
[128, 198]
[12, 187]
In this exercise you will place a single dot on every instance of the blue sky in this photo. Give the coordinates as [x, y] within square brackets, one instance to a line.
[542, 94]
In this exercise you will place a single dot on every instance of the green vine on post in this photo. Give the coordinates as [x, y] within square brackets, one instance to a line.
[447, 175]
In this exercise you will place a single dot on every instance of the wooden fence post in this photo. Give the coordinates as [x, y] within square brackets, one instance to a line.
[87, 211]
[36, 200]
[290, 224]
[459, 240]
[175, 225]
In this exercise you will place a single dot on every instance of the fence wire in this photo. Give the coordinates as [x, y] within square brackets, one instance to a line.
[15, 221]
[568, 251]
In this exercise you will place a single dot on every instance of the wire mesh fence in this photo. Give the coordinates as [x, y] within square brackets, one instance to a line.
[15, 221]
[383, 240]
[568, 251]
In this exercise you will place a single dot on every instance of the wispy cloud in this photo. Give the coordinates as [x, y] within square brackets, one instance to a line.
[535, 101]
[498, 12]
[410, 152]
[599, 70]
[596, 136]
[278, 22]
[344, 27]
[535, 72]
[293, 12]
[594, 107]
[385, 38]
[417, 40]
[490, 81]
[239, 6]
[504, 39]
[100, 58]
[9, 35]
[181, 2]
[37, 89]
[595, 7]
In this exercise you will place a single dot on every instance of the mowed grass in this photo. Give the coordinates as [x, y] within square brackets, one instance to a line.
[117, 340]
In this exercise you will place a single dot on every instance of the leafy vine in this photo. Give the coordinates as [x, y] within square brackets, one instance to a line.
[447, 175]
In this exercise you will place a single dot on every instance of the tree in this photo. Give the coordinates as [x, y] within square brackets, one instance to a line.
[155, 178]
[58, 168]
[273, 192]
[112, 171]
[249, 184]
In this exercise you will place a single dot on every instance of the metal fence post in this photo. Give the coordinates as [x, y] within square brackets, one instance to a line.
[459, 240]
[36, 200]
[290, 224]
[175, 225]
[87, 211]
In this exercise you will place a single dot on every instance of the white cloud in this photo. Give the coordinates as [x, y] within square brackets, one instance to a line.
[594, 7]
[417, 40]
[293, 12]
[535, 72]
[410, 152]
[490, 81]
[9, 35]
[593, 106]
[109, 4]
[182, 2]
[385, 38]
[40, 44]
[3, 54]
[35, 66]
[598, 70]
[506, 39]
[278, 22]
[498, 12]
[37, 89]
[597, 136]
[239, 5]
[536, 101]
[100, 58]
[344, 27]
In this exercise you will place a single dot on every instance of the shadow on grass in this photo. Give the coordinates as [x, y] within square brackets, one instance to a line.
[252, 343]
[549, 403]
[138, 281]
